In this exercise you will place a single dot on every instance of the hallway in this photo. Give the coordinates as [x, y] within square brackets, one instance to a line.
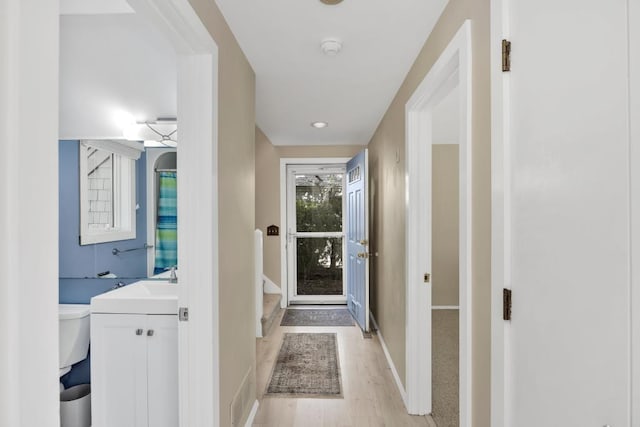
[371, 397]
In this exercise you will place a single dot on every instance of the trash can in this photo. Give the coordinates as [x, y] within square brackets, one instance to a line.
[75, 406]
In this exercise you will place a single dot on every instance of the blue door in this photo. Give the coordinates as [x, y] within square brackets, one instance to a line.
[357, 230]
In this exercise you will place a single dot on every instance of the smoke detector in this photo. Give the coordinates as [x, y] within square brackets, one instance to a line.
[331, 46]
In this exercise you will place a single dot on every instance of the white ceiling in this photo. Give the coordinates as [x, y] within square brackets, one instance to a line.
[296, 84]
[93, 7]
[113, 68]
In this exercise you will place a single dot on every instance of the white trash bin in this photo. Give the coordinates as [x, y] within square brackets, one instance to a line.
[75, 406]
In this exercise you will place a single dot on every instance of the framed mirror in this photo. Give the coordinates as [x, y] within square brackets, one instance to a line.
[108, 190]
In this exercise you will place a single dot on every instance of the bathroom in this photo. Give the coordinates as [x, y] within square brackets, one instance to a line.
[118, 122]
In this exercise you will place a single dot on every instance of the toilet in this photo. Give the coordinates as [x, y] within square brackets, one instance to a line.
[74, 334]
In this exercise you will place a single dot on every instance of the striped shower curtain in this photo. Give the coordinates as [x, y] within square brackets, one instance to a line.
[167, 223]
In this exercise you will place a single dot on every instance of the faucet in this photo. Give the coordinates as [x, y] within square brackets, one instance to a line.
[173, 277]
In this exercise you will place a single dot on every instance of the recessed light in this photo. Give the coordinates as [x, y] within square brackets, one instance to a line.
[319, 125]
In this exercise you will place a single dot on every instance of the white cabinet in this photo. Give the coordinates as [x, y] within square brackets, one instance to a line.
[134, 370]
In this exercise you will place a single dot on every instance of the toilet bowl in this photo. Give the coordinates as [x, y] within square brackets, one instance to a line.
[74, 334]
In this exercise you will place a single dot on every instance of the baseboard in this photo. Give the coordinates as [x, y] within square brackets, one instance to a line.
[252, 414]
[270, 287]
[394, 371]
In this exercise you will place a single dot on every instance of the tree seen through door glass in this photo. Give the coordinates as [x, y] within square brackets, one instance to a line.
[319, 203]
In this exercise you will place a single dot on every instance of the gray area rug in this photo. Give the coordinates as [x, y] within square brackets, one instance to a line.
[317, 317]
[307, 366]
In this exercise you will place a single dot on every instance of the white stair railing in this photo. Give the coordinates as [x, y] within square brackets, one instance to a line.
[259, 281]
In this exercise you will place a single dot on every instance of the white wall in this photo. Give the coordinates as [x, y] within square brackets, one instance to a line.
[111, 65]
[29, 244]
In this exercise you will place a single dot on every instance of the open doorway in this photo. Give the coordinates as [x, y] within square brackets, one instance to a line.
[315, 250]
[439, 194]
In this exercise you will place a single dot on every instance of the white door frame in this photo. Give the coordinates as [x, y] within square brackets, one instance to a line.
[500, 216]
[284, 163]
[197, 54]
[451, 69]
[291, 213]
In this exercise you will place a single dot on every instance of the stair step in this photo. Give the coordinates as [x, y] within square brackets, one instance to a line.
[271, 309]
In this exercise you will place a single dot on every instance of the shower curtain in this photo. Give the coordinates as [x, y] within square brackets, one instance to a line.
[167, 223]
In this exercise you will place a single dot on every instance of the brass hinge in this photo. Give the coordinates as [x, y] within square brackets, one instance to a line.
[506, 55]
[506, 304]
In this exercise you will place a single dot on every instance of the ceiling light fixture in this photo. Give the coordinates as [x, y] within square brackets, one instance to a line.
[319, 125]
[331, 46]
[331, 2]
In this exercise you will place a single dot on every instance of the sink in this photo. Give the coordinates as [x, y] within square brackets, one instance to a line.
[143, 297]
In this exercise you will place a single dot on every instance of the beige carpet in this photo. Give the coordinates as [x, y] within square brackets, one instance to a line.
[445, 368]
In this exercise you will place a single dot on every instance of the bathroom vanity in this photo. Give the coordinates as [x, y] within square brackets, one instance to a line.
[134, 356]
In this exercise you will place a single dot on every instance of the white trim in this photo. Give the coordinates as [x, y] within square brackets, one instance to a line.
[252, 414]
[453, 66]
[634, 158]
[284, 162]
[500, 216]
[392, 366]
[445, 307]
[199, 362]
[270, 287]
[29, 391]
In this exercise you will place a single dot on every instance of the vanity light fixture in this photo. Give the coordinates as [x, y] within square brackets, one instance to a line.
[319, 125]
[161, 132]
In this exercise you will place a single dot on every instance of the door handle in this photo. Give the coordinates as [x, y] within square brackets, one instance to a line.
[363, 255]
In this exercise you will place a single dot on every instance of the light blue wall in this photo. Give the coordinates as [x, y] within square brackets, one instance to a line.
[87, 261]
[79, 265]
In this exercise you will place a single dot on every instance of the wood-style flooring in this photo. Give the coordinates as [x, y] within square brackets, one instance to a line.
[371, 397]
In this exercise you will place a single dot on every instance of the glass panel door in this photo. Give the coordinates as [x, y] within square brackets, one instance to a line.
[316, 243]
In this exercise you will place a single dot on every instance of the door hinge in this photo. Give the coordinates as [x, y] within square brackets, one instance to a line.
[506, 55]
[506, 304]
[183, 314]
[427, 277]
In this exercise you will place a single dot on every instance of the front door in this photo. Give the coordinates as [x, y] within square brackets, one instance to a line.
[358, 239]
[315, 243]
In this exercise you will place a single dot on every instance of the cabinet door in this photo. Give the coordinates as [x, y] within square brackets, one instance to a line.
[162, 357]
[119, 370]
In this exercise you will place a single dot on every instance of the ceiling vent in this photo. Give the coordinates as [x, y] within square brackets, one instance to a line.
[331, 46]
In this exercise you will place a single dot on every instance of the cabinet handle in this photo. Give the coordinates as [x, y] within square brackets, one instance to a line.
[150, 333]
[139, 331]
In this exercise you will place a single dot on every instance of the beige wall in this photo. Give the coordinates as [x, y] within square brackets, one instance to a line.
[444, 224]
[387, 179]
[236, 145]
[268, 190]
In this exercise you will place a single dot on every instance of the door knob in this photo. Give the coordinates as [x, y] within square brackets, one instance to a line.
[363, 255]
[363, 242]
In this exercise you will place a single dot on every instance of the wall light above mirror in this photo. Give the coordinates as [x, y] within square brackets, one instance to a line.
[108, 190]
[163, 132]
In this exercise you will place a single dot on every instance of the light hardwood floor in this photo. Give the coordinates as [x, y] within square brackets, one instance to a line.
[371, 397]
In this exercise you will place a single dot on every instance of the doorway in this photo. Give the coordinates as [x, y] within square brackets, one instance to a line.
[450, 73]
[315, 234]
